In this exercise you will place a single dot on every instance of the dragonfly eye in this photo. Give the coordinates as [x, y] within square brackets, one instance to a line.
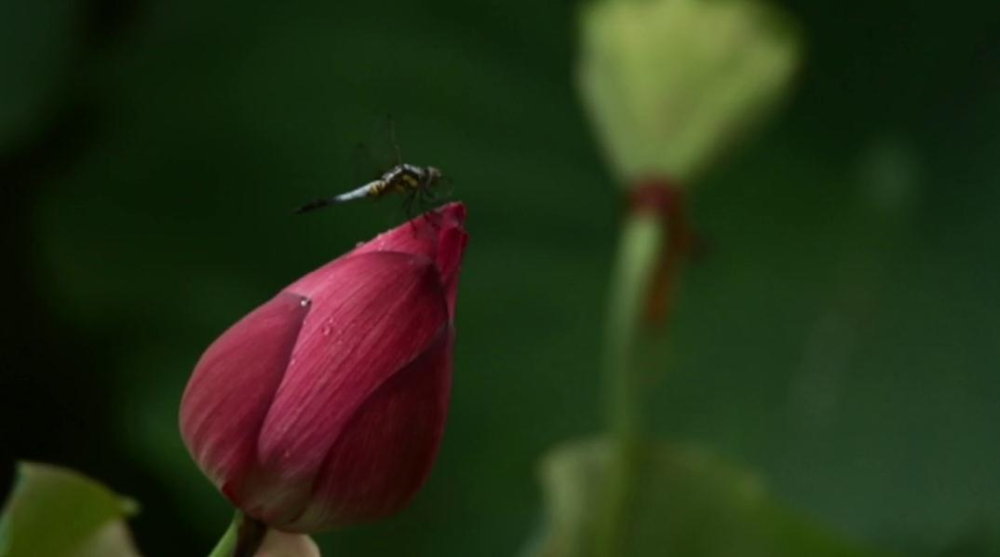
[434, 174]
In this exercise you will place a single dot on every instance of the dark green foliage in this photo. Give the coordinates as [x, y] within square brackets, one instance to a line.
[839, 336]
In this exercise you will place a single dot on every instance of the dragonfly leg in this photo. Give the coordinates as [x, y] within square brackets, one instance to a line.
[427, 195]
[408, 204]
[408, 209]
[451, 187]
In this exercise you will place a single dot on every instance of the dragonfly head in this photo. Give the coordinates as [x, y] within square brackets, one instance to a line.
[433, 175]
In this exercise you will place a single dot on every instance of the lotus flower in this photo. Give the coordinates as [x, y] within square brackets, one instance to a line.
[326, 405]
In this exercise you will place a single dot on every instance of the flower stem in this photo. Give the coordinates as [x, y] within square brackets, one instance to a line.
[639, 253]
[242, 539]
[227, 543]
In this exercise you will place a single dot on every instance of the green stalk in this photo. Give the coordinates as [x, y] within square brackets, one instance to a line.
[227, 543]
[639, 252]
[242, 539]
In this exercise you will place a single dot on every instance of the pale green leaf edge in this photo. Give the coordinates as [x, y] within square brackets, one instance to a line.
[45, 492]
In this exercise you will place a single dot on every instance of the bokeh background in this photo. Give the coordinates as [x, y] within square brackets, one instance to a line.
[840, 337]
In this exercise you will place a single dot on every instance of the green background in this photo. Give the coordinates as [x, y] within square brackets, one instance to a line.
[840, 337]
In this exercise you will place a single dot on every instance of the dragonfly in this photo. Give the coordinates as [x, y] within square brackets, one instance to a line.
[416, 183]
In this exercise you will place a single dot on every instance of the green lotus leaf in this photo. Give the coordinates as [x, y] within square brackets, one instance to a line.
[684, 501]
[57, 512]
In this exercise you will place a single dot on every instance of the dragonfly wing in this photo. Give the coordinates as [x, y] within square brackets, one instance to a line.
[385, 147]
[364, 166]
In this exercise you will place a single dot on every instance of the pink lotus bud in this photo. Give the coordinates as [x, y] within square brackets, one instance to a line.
[326, 405]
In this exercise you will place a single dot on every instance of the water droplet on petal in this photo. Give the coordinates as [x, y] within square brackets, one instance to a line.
[325, 330]
[305, 302]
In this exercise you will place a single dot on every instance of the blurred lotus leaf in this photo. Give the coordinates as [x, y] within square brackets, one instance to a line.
[56, 512]
[686, 502]
[670, 83]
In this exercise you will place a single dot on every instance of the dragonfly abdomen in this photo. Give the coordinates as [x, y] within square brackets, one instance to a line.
[371, 189]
